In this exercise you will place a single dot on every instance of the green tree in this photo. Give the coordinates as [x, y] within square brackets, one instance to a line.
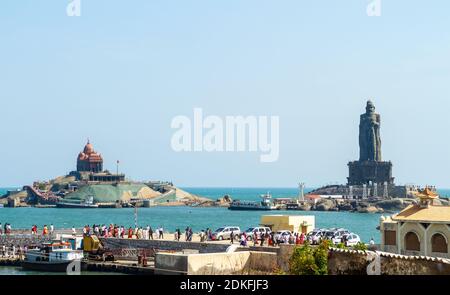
[360, 246]
[307, 260]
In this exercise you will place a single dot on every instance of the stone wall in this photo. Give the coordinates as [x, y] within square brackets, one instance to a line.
[22, 240]
[114, 243]
[350, 262]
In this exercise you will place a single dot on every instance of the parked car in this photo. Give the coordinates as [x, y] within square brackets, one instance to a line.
[315, 236]
[351, 239]
[338, 235]
[329, 233]
[280, 236]
[261, 230]
[224, 233]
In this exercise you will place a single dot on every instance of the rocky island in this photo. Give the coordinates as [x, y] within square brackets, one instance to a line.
[103, 188]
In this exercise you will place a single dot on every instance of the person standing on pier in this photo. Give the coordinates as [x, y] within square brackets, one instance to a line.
[45, 231]
[74, 231]
[189, 234]
[263, 238]
[130, 233]
[150, 233]
[1, 229]
[202, 236]
[232, 237]
[255, 237]
[52, 229]
[186, 234]
[243, 240]
[210, 236]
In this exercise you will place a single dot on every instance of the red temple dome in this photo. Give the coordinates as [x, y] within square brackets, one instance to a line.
[89, 148]
[89, 160]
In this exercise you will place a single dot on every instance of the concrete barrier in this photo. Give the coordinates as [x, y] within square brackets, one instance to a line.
[215, 263]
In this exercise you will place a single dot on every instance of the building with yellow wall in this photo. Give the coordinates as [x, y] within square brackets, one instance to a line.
[293, 223]
[419, 229]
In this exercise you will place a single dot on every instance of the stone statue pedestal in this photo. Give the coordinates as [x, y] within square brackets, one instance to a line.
[369, 172]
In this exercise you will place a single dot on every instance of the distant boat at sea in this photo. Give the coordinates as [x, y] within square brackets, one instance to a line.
[265, 204]
[88, 203]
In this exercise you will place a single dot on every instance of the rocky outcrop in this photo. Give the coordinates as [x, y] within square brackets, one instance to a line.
[305, 207]
[346, 207]
[366, 207]
[325, 205]
[369, 209]
[392, 205]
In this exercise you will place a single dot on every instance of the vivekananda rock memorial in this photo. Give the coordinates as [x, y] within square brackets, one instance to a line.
[89, 161]
[105, 187]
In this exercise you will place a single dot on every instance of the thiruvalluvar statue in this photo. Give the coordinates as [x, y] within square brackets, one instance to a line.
[369, 135]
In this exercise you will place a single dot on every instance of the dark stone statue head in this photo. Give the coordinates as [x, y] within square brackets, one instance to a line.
[370, 107]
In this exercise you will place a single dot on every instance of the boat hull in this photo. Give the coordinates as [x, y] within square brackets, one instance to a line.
[251, 208]
[48, 267]
[67, 205]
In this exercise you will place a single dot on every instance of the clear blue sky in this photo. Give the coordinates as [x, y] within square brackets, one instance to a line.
[119, 74]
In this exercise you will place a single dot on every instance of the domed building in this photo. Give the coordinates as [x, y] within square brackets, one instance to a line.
[90, 167]
[89, 161]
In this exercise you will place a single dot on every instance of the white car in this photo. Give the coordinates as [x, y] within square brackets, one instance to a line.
[260, 230]
[351, 239]
[337, 237]
[314, 237]
[280, 236]
[224, 233]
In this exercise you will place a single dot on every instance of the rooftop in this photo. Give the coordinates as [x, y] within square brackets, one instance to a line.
[431, 214]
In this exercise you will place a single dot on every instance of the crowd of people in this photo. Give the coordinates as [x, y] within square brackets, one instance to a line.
[148, 233]
[269, 239]
[119, 231]
[46, 230]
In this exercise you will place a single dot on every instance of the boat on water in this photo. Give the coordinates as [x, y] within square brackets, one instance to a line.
[88, 203]
[264, 204]
[53, 256]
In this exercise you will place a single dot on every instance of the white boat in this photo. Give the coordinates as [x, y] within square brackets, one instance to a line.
[264, 204]
[88, 203]
[52, 257]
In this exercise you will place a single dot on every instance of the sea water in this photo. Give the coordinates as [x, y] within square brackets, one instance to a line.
[171, 218]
